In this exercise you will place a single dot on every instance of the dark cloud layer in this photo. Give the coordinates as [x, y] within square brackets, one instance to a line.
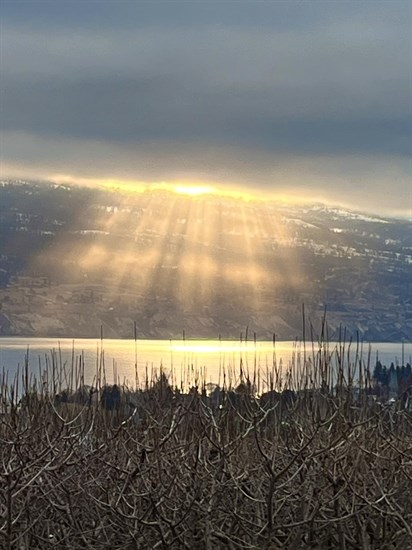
[282, 85]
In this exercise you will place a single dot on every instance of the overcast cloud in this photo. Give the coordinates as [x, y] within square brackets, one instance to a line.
[299, 97]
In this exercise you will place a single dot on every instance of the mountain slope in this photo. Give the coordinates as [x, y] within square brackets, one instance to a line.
[74, 259]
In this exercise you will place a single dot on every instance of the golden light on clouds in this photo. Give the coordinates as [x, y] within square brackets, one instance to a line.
[193, 190]
[184, 187]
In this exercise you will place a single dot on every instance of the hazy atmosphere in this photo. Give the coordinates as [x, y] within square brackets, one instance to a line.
[205, 274]
[308, 100]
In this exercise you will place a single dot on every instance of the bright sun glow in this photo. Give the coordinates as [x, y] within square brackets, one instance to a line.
[190, 189]
[136, 186]
[193, 190]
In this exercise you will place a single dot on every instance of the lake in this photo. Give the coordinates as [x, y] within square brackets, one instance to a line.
[214, 361]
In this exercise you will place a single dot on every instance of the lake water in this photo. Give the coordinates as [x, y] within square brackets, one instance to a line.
[213, 361]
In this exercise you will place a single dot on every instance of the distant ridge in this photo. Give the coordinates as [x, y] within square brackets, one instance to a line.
[73, 259]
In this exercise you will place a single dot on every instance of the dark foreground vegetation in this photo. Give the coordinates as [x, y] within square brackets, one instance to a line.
[310, 463]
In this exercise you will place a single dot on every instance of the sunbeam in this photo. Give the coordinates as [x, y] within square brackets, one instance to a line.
[152, 256]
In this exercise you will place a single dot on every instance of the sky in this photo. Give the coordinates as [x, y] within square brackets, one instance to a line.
[308, 100]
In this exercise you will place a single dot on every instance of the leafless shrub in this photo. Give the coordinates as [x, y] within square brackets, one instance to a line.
[310, 464]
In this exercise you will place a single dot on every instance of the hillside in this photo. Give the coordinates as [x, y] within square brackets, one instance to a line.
[75, 259]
